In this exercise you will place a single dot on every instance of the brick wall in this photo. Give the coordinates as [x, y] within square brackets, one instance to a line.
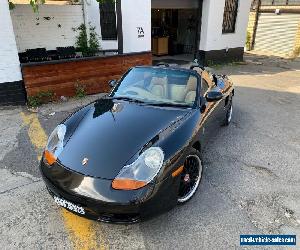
[61, 77]
[51, 27]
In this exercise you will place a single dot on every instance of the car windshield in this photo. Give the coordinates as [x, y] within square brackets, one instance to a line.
[158, 86]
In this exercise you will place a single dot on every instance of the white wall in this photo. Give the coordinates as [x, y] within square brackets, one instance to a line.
[136, 14]
[92, 15]
[9, 61]
[174, 4]
[212, 20]
[32, 30]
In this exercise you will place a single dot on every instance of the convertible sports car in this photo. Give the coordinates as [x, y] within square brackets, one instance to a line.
[136, 152]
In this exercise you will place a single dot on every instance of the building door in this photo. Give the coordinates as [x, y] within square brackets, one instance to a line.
[175, 27]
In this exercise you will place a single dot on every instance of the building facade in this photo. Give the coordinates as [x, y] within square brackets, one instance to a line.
[210, 30]
[11, 85]
[223, 29]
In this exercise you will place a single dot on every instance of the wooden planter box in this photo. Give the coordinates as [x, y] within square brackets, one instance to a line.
[61, 77]
[160, 46]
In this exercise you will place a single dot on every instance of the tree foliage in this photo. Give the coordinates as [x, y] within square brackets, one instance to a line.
[35, 3]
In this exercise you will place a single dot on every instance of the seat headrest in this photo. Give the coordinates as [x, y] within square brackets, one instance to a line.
[191, 84]
[158, 81]
[190, 97]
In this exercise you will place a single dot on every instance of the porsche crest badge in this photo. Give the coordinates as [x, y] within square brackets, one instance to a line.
[84, 161]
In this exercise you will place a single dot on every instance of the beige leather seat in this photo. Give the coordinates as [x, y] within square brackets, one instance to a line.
[191, 90]
[190, 97]
[177, 92]
[158, 87]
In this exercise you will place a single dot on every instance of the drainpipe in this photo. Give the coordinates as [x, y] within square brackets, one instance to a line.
[255, 24]
[198, 32]
[119, 26]
[84, 11]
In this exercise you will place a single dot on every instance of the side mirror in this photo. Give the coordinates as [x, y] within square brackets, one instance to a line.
[214, 95]
[112, 83]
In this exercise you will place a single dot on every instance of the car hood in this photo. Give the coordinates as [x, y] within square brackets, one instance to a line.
[111, 133]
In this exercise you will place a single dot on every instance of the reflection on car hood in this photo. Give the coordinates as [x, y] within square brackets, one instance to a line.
[111, 133]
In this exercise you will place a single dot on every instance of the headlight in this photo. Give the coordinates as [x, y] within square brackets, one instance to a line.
[55, 144]
[141, 172]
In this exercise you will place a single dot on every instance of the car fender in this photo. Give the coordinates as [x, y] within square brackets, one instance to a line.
[175, 141]
[73, 121]
[178, 142]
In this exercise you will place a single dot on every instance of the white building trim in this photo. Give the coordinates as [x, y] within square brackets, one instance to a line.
[92, 17]
[212, 20]
[10, 70]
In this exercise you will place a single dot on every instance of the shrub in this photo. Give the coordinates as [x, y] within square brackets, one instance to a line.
[80, 91]
[40, 98]
[88, 46]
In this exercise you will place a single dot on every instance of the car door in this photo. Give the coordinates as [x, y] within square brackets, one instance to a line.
[220, 106]
[208, 123]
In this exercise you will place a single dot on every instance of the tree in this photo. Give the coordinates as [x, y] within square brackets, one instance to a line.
[35, 3]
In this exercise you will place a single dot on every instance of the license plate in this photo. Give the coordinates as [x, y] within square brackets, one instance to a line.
[69, 205]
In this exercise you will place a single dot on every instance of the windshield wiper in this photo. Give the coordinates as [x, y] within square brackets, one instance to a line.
[125, 98]
[158, 104]
[167, 104]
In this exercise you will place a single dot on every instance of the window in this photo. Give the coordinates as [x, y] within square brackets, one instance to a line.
[158, 86]
[230, 14]
[108, 20]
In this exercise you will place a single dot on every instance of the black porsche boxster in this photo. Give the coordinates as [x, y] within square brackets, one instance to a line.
[137, 151]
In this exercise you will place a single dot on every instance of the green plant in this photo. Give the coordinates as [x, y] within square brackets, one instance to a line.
[81, 39]
[89, 46]
[80, 91]
[217, 66]
[35, 3]
[40, 98]
[33, 101]
[94, 42]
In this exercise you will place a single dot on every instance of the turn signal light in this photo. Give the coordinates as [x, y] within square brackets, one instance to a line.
[127, 184]
[49, 157]
[177, 172]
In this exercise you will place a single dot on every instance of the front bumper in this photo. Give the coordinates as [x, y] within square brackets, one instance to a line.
[101, 202]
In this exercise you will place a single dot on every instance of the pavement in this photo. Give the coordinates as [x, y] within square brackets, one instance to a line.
[251, 181]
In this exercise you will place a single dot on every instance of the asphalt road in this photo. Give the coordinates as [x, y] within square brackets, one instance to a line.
[251, 181]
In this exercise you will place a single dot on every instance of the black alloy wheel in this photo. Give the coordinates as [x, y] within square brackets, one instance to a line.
[190, 177]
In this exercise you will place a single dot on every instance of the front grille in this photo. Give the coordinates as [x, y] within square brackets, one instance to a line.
[120, 218]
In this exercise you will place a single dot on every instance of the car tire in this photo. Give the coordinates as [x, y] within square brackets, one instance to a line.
[229, 113]
[191, 176]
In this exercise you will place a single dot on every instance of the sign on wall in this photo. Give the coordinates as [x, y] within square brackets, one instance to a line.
[136, 24]
[141, 32]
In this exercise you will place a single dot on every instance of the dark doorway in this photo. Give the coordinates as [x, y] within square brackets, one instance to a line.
[174, 31]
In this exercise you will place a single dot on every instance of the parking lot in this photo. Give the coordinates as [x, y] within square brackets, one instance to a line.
[251, 180]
